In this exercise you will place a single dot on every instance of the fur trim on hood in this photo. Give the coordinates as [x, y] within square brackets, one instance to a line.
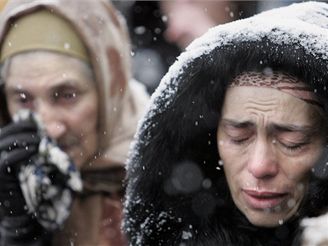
[177, 193]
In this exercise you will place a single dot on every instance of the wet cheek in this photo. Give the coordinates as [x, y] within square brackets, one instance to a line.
[231, 166]
[230, 153]
[230, 157]
[298, 170]
[299, 192]
[224, 144]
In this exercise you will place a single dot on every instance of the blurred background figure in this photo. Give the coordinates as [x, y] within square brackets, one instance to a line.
[152, 54]
[160, 30]
[189, 19]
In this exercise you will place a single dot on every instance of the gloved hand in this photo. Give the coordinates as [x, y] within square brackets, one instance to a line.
[38, 177]
[19, 141]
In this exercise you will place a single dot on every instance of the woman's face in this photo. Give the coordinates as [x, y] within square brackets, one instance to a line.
[61, 90]
[268, 141]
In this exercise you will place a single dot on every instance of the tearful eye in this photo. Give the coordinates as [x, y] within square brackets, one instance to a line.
[294, 146]
[237, 133]
[293, 142]
[239, 136]
[239, 141]
[65, 96]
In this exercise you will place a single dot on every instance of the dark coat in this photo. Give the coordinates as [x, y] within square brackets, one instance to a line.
[177, 193]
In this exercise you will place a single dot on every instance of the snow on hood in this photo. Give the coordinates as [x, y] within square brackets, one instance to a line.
[305, 24]
[294, 36]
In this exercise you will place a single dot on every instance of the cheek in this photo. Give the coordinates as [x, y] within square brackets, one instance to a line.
[84, 117]
[222, 146]
[231, 163]
[12, 107]
[298, 169]
[297, 196]
[230, 155]
[83, 125]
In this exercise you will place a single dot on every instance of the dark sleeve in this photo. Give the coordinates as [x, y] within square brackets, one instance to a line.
[23, 230]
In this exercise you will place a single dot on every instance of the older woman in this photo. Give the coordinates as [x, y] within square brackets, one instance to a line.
[233, 149]
[67, 106]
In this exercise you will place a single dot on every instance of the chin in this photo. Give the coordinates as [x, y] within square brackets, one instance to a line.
[266, 223]
[268, 219]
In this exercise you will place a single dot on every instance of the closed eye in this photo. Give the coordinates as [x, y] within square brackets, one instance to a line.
[238, 135]
[294, 146]
[293, 140]
[239, 141]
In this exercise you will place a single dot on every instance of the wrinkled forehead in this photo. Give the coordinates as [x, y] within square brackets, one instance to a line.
[279, 98]
[281, 81]
[41, 62]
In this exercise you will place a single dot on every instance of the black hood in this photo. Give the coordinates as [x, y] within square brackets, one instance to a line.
[177, 192]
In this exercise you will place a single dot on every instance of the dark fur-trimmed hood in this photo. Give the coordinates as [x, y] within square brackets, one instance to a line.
[176, 190]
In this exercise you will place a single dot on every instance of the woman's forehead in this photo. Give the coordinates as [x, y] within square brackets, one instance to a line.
[278, 80]
[44, 70]
[35, 63]
[254, 103]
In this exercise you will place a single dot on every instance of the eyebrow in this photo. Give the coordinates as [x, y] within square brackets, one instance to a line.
[238, 124]
[272, 127]
[291, 128]
[64, 86]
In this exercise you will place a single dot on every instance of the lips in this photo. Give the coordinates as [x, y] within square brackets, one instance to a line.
[263, 199]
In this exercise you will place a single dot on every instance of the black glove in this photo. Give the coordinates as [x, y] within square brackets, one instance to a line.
[18, 143]
[36, 174]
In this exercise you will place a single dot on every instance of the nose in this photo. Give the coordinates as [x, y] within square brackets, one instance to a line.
[262, 162]
[52, 120]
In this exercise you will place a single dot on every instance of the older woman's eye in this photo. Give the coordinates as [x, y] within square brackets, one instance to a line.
[24, 99]
[65, 96]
